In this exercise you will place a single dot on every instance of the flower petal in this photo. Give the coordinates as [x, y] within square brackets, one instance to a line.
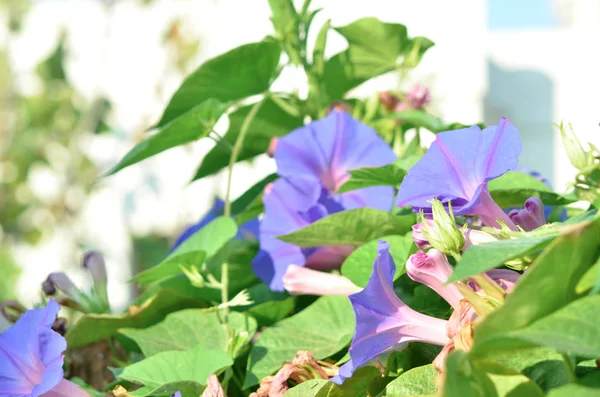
[383, 321]
[288, 207]
[378, 197]
[458, 164]
[326, 149]
[67, 389]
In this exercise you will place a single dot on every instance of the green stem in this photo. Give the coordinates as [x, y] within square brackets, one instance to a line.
[570, 368]
[227, 211]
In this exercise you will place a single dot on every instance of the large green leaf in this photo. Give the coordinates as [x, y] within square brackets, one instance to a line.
[464, 377]
[93, 327]
[166, 373]
[483, 257]
[310, 388]
[194, 251]
[373, 49]
[417, 381]
[514, 187]
[186, 329]
[575, 390]
[323, 328]
[547, 286]
[359, 265]
[270, 121]
[388, 175]
[351, 227]
[242, 72]
[194, 124]
[573, 329]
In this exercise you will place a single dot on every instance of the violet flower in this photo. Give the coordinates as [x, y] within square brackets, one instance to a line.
[291, 204]
[433, 270]
[383, 321]
[457, 167]
[31, 357]
[248, 229]
[313, 162]
[327, 149]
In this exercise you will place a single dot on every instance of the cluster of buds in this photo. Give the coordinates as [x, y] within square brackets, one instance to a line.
[416, 98]
[587, 162]
[302, 368]
[70, 295]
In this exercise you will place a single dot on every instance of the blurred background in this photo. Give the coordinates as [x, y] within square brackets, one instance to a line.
[82, 80]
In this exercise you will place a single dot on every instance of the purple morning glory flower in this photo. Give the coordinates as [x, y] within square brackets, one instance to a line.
[327, 149]
[457, 168]
[313, 162]
[548, 208]
[249, 228]
[383, 321]
[291, 204]
[31, 357]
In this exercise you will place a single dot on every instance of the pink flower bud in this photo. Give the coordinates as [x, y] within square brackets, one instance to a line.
[418, 236]
[418, 96]
[300, 280]
[63, 283]
[531, 216]
[329, 257]
[476, 237]
[433, 270]
[388, 100]
[272, 147]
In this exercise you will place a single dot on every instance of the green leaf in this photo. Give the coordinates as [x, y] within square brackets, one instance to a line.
[242, 72]
[318, 58]
[373, 49]
[352, 227]
[249, 205]
[359, 265]
[310, 388]
[270, 121]
[323, 328]
[94, 327]
[186, 329]
[166, 373]
[417, 381]
[388, 175]
[420, 118]
[514, 187]
[574, 329]
[194, 251]
[546, 287]
[286, 22]
[590, 280]
[481, 258]
[574, 390]
[194, 124]
[464, 377]
[365, 381]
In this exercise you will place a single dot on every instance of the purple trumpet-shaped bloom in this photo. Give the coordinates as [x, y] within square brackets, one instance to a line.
[300, 280]
[433, 270]
[31, 357]
[313, 162]
[291, 204]
[383, 321]
[327, 149]
[457, 168]
[531, 216]
[249, 228]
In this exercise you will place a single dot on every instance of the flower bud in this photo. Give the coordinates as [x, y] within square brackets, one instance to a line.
[531, 216]
[418, 237]
[580, 159]
[272, 147]
[94, 262]
[388, 100]
[433, 270]
[477, 237]
[299, 280]
[48, 287]
[418, 96]
[444, 235]
[60, 281]
[505, 278]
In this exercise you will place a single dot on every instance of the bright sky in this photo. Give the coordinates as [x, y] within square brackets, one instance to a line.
[519, 14]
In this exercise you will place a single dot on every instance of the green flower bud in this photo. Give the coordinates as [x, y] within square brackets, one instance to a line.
[444, 235]
[579, 157]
